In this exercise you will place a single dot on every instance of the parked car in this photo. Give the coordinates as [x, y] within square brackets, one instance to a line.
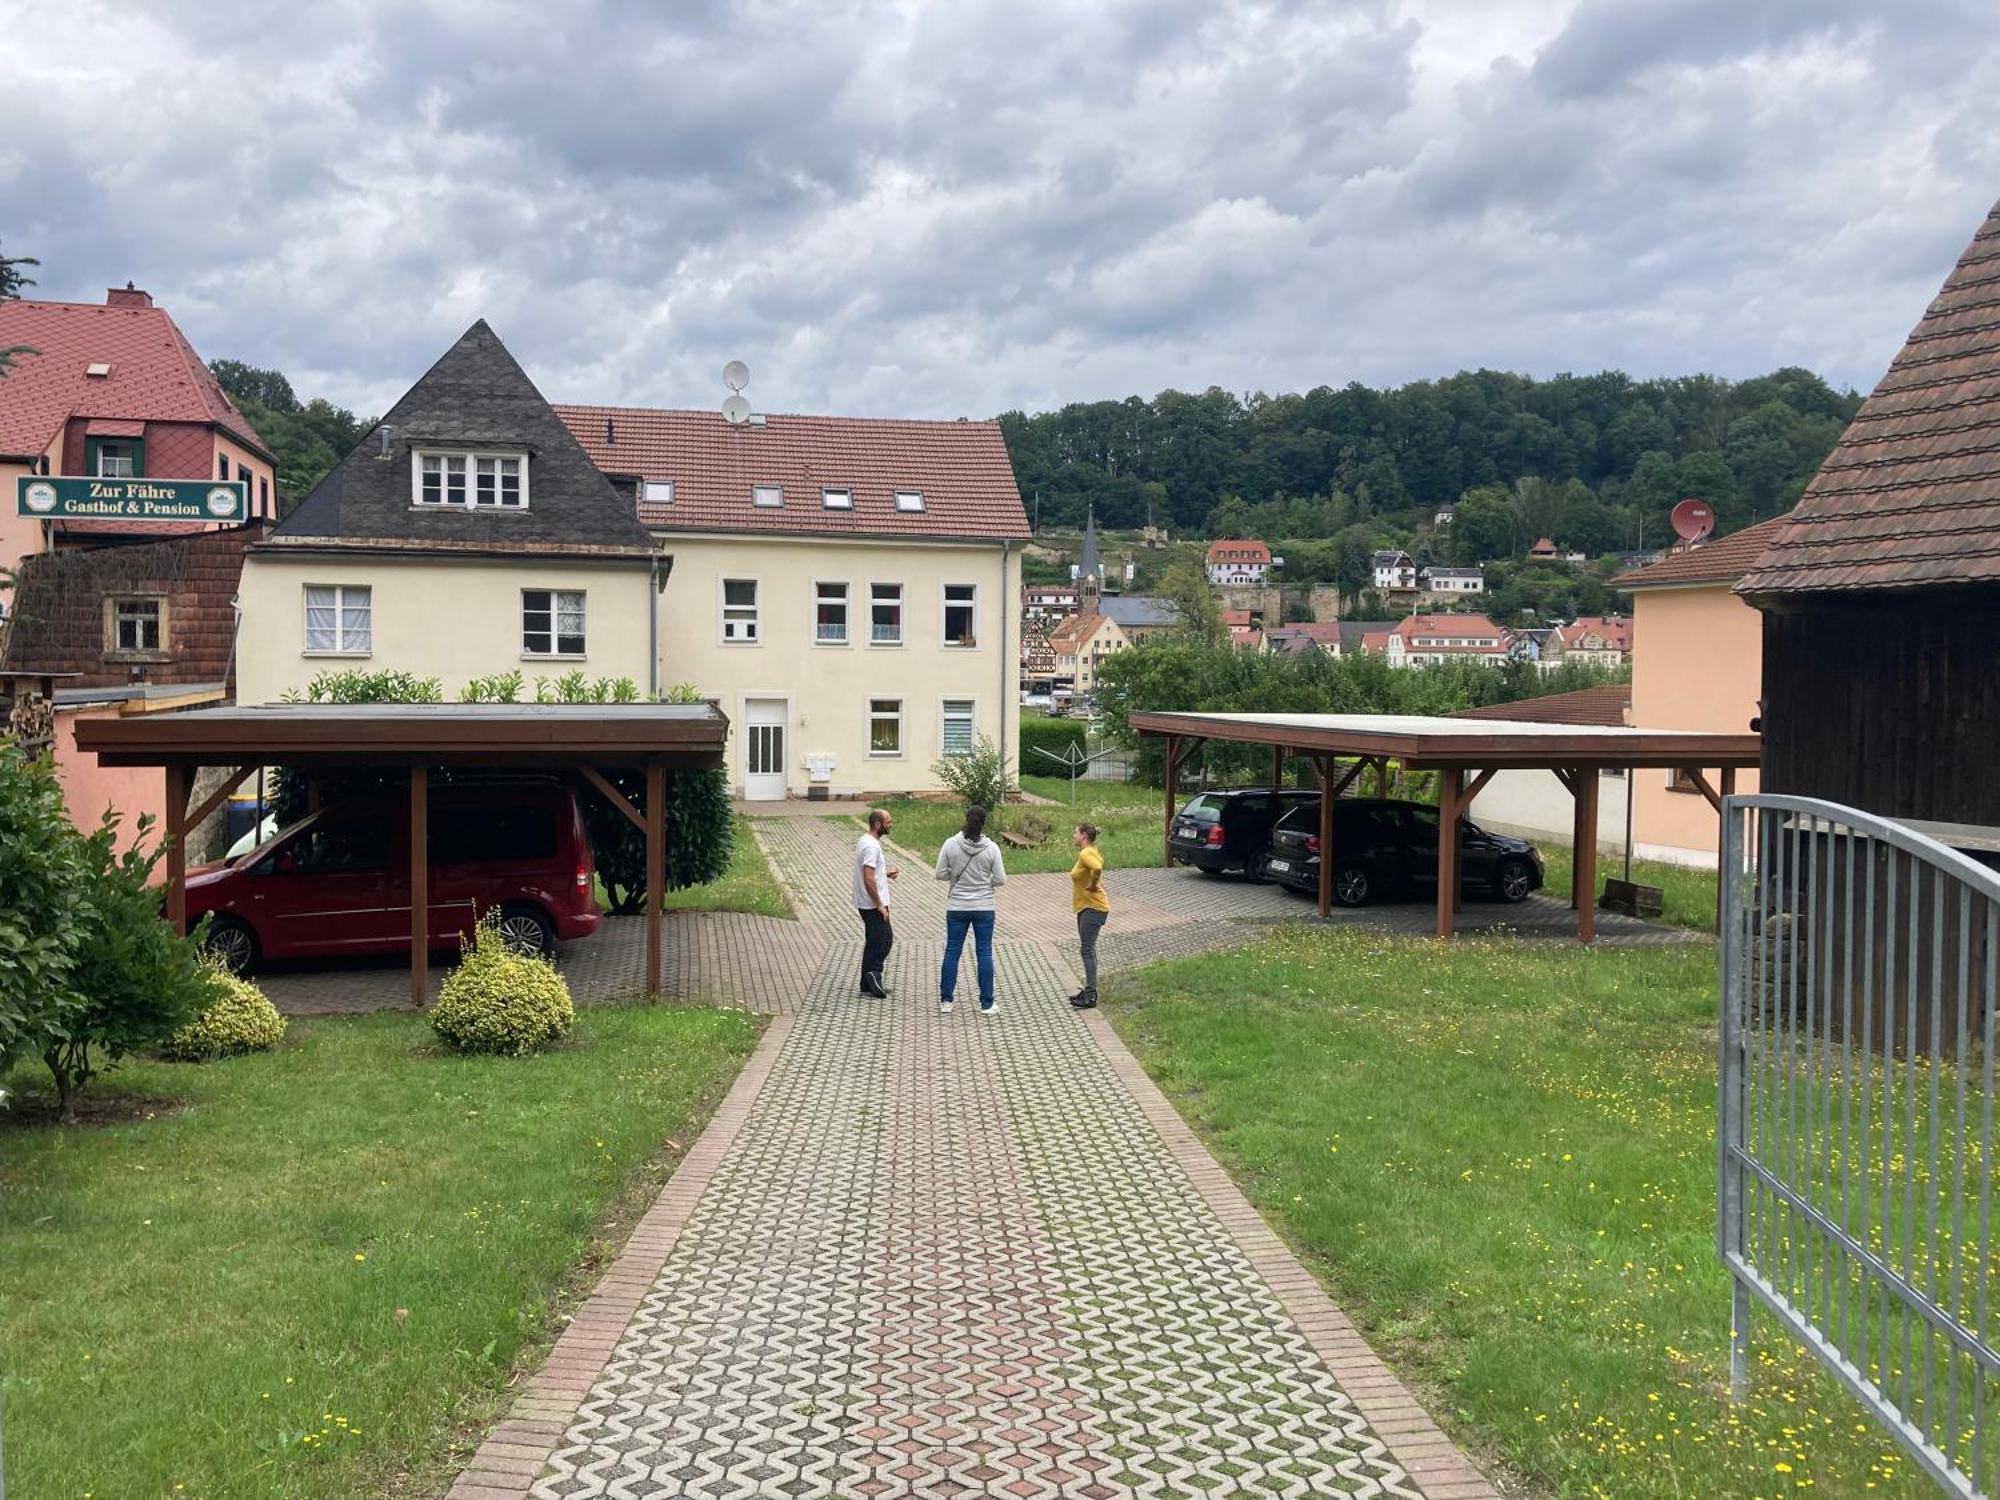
[1384, 848]
[1229, 830]
[338, 881]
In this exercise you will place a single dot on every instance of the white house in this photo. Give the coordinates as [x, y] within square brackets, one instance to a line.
[1238, 561]
[1422, 639]
[1394, 570]
[1455, 580]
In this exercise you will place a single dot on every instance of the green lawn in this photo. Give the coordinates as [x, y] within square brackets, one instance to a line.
[1501, 1159]
[747, 885]
[311, 1273]
[1687, 897]
[1128, 819]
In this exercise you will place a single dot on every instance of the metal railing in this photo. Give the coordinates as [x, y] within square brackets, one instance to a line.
[1856, 1115]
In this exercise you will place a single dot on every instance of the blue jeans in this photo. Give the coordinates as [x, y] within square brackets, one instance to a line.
[956, 925]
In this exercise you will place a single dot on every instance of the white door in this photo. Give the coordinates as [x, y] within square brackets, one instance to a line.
[764, 749]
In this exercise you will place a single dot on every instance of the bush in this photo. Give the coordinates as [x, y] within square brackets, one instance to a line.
[238, 1020]
[500, 1001]
[701, 832]
[1053, 735]
[978, 776]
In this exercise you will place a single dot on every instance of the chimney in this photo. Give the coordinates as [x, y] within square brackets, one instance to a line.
[127, 295]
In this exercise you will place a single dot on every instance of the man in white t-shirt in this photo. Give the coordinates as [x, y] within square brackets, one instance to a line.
[872, 874]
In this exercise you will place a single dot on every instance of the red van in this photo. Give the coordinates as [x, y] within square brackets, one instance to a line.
[339, 881]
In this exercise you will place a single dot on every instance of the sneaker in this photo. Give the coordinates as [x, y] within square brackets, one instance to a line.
[881, 986]
[1084, 1000]
[989, 1007]
[944, 1006]
[873, 992]
[1077, 998]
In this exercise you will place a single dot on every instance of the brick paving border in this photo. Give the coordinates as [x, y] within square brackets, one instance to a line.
[519, 1446]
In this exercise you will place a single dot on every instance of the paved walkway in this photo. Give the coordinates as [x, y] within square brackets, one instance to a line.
[927, 1255]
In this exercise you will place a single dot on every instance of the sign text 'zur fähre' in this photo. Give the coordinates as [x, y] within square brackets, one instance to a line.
[195, 501]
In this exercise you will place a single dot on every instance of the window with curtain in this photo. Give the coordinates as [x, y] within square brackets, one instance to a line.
[552, 622]
[885, 614]
[885, 726]
[830, 615]
[338, 618]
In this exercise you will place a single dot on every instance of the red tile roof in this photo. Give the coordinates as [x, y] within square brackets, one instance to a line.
[1460, 625]
[155, 374]
[1614, 632]
[1910, 495]
[1723, 560]
[1236, 550]
[961, 469]
[1072, 631]
[1234, 617]
[1603, 706]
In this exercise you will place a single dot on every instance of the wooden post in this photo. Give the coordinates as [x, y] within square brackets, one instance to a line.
[1728, 777]
[1447, 891]
[1173, 773]
[656, 871]
[1326, 799]
[1586, 853]
[1382, 777]
[176, 839]
[420, 885]
[312, 792]
[1277, 765]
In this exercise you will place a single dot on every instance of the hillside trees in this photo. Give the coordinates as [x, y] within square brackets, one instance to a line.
[306, 438]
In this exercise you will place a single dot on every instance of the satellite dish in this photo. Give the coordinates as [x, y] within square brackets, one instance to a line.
[1693, 520]
[736, 411]
[736, 374]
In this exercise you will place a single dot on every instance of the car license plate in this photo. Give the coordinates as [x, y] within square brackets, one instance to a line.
[1278, 864]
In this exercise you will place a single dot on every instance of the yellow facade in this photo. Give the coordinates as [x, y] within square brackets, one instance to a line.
[435, 617]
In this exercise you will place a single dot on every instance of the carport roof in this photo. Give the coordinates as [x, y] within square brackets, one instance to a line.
[685, 735]
[1421, 740]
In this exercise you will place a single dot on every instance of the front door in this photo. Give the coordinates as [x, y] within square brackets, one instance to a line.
[764, 749]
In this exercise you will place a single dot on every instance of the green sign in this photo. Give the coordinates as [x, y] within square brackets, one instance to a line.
[84, 499]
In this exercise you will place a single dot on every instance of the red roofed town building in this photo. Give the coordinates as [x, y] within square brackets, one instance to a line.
[1601, 640]
[1238, 561]
[113, 389]
[1080, 644]
[1418, 640]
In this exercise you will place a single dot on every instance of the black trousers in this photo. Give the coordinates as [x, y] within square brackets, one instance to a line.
[877, 939]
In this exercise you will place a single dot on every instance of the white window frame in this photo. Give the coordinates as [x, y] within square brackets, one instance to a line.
[902, 613]
[128, 456]
[945, 716]
[820, 598]
[836, 497]
[554, 653]
[776, 492]
[909, 501]
[945, 605]
[754, 634]
[115, 607]
[656, 492]
[901, 729]
[342, 605]
[471, 458]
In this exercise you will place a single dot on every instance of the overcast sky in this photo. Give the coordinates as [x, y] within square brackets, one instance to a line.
[955, 208]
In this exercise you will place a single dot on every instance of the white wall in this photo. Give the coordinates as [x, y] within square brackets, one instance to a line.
[1534, 805]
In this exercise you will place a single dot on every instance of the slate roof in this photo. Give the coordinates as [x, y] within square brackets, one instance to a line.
[475, 396]
[1139, 611]
[1604, 706]
[1722, 560]
[155, 374]
[960, 467]
[1089, 562]
[1910, 495]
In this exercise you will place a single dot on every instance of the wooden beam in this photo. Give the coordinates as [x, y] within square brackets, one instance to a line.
[1478, 786]
[1326, 802]
[656, 871]
[1447, 871]
[221, 794]
[420, 885]
[1382, 776]
[1568, 781]
[1325, 764]
[1695, 774]
[312, 793]
[178, 777]
[1585, 860]
[1173, 776]
[612, 795]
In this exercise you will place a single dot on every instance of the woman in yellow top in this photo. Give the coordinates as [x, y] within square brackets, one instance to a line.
[1086, 899]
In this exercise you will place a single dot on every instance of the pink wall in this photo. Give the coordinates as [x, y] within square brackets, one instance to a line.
[89, 788]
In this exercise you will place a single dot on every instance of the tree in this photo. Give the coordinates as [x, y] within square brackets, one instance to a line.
[1185, 586]
[11, 282]
[307, 439]
[1483, 527]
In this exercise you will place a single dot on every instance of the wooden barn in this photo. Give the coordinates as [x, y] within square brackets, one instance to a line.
[1881, 601]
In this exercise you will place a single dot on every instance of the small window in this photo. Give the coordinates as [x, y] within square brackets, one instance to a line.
[552, 622]
[263, 494]
[909, 499]
[739, 611]
[839, 499]
[885, 614]
[657, 492]
[885, 726]
[135, 626]
[222, 466]
[117, 458]
[960, 614]
[443, 479]
[339, 619]
[489, 481]
[497, 481]
[767, 496]
[957, 738]
[830, 615]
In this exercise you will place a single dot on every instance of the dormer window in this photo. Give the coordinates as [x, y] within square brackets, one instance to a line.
[909, 500]
[485, 481]
[840, 499]
[658, 492]
[767, 496]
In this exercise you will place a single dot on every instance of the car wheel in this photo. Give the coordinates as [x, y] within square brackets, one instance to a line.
[1514, 880]
[232, 944]
[527, 930]
[1352, 885]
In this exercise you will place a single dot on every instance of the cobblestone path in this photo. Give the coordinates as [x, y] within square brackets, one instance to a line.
[929, 1255]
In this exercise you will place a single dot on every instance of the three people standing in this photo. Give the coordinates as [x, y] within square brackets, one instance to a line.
[872, 875]
[972, 863]
[1092, 908]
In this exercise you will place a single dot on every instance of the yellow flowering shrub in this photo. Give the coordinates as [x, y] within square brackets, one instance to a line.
[500, 1001]
[239, 1019]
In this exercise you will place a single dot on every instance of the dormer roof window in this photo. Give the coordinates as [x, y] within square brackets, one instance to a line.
[767, 496]
[837, 499]
[909, 500]
[472, 480]
[657, 491]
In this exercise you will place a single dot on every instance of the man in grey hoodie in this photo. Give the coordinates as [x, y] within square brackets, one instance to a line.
[972, 863]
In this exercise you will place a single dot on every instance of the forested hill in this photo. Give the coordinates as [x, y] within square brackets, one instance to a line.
[1587, 459]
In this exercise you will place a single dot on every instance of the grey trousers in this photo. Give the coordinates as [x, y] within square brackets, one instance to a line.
[1089, 922]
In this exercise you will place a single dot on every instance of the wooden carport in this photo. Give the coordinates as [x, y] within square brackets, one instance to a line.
[653, 738]
[1466, 754]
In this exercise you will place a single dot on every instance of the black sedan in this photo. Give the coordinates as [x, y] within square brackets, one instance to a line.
[1230, 830]
[1385, 848]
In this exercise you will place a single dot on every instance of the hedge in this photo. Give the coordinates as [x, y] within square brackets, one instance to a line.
[1052, 735]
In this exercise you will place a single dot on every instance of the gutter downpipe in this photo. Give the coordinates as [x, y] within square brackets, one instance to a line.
[1007, 605]
[658, 587]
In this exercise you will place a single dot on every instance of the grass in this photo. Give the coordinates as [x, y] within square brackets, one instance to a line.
[1501, 1158]
[313, 1272]
[1687, 896]
[1128, 820]
[747, 885]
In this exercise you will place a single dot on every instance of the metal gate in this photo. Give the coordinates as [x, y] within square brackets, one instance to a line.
[1856, 1131]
